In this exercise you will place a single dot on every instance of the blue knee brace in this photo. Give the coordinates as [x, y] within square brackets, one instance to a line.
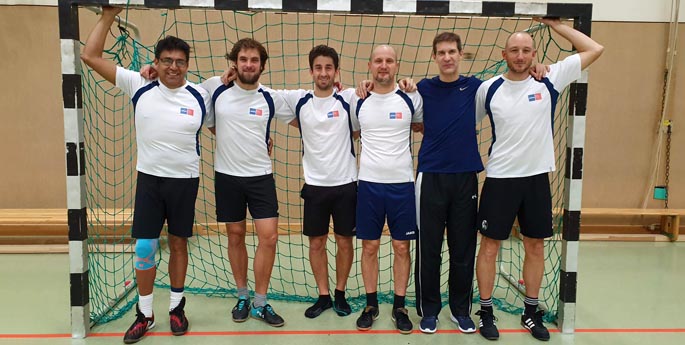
[145, 253]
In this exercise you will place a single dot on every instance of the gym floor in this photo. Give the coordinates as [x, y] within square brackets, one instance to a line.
[628, 293]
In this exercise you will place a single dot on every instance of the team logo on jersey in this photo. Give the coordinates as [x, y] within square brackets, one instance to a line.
[534, 97]
[396, 116]
[255, 112]
[187, 111]
[332, 114]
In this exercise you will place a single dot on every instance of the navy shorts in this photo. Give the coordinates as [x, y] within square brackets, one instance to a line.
[375, 201]
[160, 199]
[504, 199]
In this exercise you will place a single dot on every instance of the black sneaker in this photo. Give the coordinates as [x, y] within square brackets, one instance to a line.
[487, 325]
[178, 320]
[341, 307]
[401, 318]
[366, 319]
[533, 323]
[139, 327]
[268, 315]
[241, 311]
[319, 307]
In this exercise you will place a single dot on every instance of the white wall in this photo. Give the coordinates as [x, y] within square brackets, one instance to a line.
[603, 10]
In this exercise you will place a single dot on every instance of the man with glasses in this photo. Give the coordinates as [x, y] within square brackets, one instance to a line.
[169, 113]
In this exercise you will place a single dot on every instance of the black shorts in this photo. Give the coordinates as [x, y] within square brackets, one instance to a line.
[234, 194]
[503, 199]
[320, 203]
[160, 199]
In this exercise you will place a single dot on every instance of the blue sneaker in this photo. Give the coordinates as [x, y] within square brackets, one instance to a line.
[268, 315]
[241, 311]
[466, 325]
[429, 324]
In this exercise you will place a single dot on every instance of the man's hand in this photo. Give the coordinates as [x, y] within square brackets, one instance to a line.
[407, 85]
[148, 72]
[111, 11]
[363, 88]
[230, 75]
[549, 21]
[539, 71]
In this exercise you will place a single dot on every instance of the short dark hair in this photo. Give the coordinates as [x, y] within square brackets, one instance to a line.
[323, 50]
[171, 43]
[446, 37]
[248, 43]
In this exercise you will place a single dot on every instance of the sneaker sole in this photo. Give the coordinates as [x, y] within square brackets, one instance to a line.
[342, 312]
[368, 328]
[270, 324]
[178, 333]
[490, 338]
[402, 331]
[463, 330]
[133, 341]
[531, 333]
[316, 313]
[240, 320]
[428, 330]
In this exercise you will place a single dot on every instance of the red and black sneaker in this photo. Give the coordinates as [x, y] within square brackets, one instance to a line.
[139, 327]
[178, 320]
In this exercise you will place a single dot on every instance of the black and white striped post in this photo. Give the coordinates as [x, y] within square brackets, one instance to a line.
[74, 149]
[73, 118]
[573, 175]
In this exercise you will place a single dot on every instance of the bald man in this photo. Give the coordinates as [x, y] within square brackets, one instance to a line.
[521, 110]
[386, 181]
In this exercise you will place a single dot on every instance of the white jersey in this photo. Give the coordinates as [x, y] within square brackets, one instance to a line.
[243, 123]
[168, 123]
[521, 114]
[385, 122]
[326, 128]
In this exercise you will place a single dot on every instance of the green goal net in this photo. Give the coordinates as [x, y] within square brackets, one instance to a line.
[111, 148]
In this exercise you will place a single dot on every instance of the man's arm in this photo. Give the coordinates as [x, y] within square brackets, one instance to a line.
[587, 48]
[92, 53]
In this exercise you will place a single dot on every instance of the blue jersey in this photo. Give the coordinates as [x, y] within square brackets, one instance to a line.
[449, 142]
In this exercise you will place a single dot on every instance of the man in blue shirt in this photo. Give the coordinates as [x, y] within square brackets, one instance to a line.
[447, 187]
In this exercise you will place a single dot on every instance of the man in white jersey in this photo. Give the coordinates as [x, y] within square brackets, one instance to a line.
[169, 113]
[386, 182]
[521, 111]
[330, 174]
[243, 113]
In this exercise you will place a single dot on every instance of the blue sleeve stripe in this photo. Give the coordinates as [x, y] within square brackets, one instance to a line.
[141, 91]
[359, 105]
[406, 98]
[270, 102]
[554, 97]
[298, 108]
[218, 93]
[346, 106]
[488, 99]
[201, 101]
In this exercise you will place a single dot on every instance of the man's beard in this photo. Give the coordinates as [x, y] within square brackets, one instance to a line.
[513, 67]
[253, 80]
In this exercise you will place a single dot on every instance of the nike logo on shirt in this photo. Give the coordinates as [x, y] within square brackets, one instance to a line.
[463, 88]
